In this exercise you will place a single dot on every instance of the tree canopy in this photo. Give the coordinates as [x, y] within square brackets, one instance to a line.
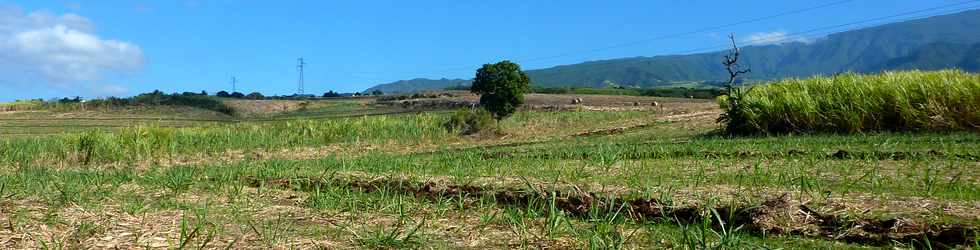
[501, 87]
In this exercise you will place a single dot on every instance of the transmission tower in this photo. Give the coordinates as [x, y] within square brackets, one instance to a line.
[234, 81]
[299, 65]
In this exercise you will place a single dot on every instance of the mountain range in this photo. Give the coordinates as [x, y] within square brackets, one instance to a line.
[938, 42]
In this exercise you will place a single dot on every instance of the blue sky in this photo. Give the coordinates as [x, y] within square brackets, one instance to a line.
[100, 48]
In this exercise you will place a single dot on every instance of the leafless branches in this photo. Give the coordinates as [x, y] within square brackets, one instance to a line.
[731, 64]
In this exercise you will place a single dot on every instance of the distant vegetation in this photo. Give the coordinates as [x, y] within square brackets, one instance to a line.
[189, 99]
[22, 105]
[891, 101]
[159, 98]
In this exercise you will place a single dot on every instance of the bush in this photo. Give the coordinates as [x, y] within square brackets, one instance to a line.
[159, 98]
[146, 99]
[471, 121]
[849, 103]
[203, 102]
[255, 96]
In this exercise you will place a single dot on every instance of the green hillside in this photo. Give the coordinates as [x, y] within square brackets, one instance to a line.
[862, 50]
[418, 84]
[931, 43]
[937, 56]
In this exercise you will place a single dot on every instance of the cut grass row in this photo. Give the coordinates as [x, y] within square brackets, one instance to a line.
[226, 211]
[219, 191]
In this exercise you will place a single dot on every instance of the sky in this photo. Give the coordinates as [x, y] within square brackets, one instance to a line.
[103, 48]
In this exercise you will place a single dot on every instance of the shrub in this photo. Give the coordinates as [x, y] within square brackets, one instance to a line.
[159, 98]
[255, 96]
[471, 121]
[203, 102]
[848, 103]
[501, 87]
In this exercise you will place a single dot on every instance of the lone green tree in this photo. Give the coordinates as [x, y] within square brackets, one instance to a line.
[501, 87]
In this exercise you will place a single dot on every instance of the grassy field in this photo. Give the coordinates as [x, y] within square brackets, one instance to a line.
[849, 103]
[350, 173]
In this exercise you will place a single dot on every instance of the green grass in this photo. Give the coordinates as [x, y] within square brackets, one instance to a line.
[21, 105]
[70, 190]
[150, 143]
[379, 219]
[849, 103]
[97, 142]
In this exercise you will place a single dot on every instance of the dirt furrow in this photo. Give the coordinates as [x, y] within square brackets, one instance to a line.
[778, 215]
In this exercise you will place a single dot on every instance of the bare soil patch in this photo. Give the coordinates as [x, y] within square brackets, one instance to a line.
[558, 102]
[265, 107]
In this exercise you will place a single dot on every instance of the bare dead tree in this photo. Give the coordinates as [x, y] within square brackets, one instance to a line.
[734, 117]
[731, 64]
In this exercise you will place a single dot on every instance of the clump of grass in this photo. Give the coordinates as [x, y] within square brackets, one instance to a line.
[849, 103]
[471, 121]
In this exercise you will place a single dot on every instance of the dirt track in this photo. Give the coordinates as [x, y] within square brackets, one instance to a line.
[456, 99]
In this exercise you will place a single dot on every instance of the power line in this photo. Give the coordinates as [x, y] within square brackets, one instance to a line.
[662, 37]
[802, 34]
[855, 23]
[824, 33]
[785, 37]
[705, 29]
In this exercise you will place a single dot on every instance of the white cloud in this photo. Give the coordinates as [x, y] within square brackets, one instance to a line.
[59, 50]
[775, 37]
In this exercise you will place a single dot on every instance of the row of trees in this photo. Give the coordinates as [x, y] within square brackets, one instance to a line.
[222, 94]
[260, 96]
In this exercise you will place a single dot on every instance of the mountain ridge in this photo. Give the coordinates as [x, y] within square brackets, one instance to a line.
[913, 44]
